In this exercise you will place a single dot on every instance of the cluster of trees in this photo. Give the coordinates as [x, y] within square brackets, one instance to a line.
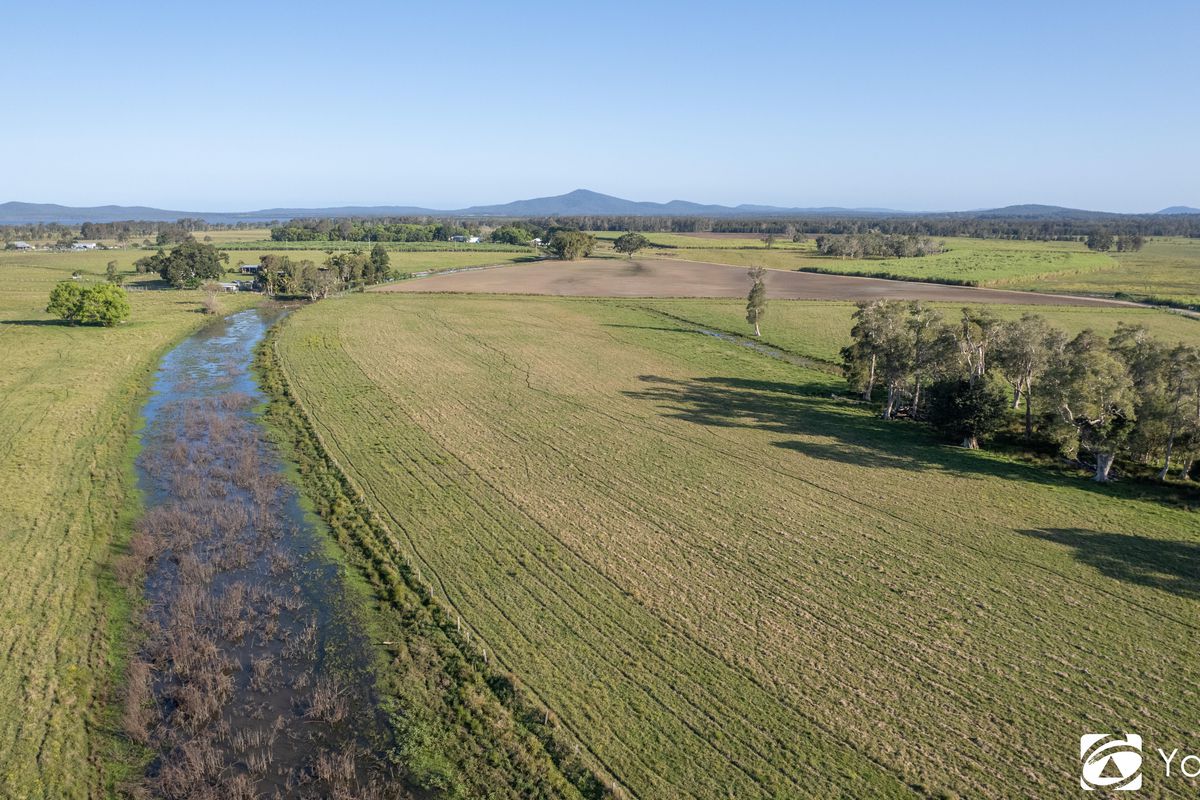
[875, 244]
[188, 265]
[375, 230]
[1127, 396]
[571, 245]
[282, 275]
[1103, 240]
[517, 233]
[97, 304]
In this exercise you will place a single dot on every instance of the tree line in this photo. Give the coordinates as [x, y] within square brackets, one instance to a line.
[1128, 396]
[875, 244]
[281, 275]
[361, 230]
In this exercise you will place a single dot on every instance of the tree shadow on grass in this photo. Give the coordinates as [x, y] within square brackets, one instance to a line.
[1170, 566]
[62, 323]
[818, 423]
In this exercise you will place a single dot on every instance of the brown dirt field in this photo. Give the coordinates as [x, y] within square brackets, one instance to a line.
[675, 278]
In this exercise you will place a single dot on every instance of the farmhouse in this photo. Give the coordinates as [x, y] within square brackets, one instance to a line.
[248, 269]
[84, 246]
[20, 246]
[458, 238]
[229, 286]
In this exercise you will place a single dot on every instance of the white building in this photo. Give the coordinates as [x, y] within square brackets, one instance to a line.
[20, 246]
[84, 246]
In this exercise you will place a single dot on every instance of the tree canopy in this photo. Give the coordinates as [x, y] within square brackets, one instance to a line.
[99, 304]
[187, 265]
[630, 243]
[571, 245]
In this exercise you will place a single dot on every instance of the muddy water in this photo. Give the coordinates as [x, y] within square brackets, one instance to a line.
[253, 677]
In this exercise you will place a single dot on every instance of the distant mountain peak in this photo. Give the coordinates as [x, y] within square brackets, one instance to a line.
[1179, 210]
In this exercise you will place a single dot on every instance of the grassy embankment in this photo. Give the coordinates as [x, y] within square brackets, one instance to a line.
[725, 581]
[69, 398]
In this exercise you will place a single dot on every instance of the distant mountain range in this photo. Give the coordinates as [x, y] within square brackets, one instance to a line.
[580, 202]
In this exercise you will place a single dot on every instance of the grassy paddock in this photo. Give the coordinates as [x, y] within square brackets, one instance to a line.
[69, 397]
[983, 262]
[820, 329]
[724, 581]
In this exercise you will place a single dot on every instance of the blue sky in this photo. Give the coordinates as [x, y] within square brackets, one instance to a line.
[911, 105]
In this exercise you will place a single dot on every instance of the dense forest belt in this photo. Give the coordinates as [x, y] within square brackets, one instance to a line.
[644, 277]
[465, 728]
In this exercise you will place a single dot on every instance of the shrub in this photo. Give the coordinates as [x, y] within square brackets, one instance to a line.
[102, 304]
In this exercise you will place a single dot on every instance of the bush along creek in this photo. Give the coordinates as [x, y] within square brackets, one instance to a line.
[252, 675]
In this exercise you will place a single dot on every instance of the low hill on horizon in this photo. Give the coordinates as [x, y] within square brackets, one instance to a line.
[581, 202]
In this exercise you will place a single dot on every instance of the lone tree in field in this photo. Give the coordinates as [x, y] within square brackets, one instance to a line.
[111, 274]
[101, 304]
[571, 245]
[630, 243]
[756, 301]
[769, 240]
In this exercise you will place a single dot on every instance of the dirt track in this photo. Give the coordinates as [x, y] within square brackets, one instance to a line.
[674, 278]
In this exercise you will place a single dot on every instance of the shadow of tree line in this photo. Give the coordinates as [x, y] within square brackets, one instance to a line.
[1169, 566]
[805, 411]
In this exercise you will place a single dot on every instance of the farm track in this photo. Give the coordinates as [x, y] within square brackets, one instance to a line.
[617, 542]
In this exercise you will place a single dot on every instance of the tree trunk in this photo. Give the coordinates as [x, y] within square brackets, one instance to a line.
[916, 406]
[870, 380]
[756, 331]
[1104, 462]
[1028, 415]
[891, 402]
[971, 442]
[1187, 467]
[1162, 475]
[1016, 397]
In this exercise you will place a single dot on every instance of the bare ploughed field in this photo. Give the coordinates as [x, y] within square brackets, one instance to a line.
[649, 277]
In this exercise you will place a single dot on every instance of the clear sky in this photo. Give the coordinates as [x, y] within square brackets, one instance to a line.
[910, 105]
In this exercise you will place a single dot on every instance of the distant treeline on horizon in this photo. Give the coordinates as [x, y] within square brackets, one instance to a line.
[377, 228]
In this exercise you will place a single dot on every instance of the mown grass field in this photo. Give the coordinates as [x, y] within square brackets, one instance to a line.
[821, 329]
[68, 405]
[728, 583]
